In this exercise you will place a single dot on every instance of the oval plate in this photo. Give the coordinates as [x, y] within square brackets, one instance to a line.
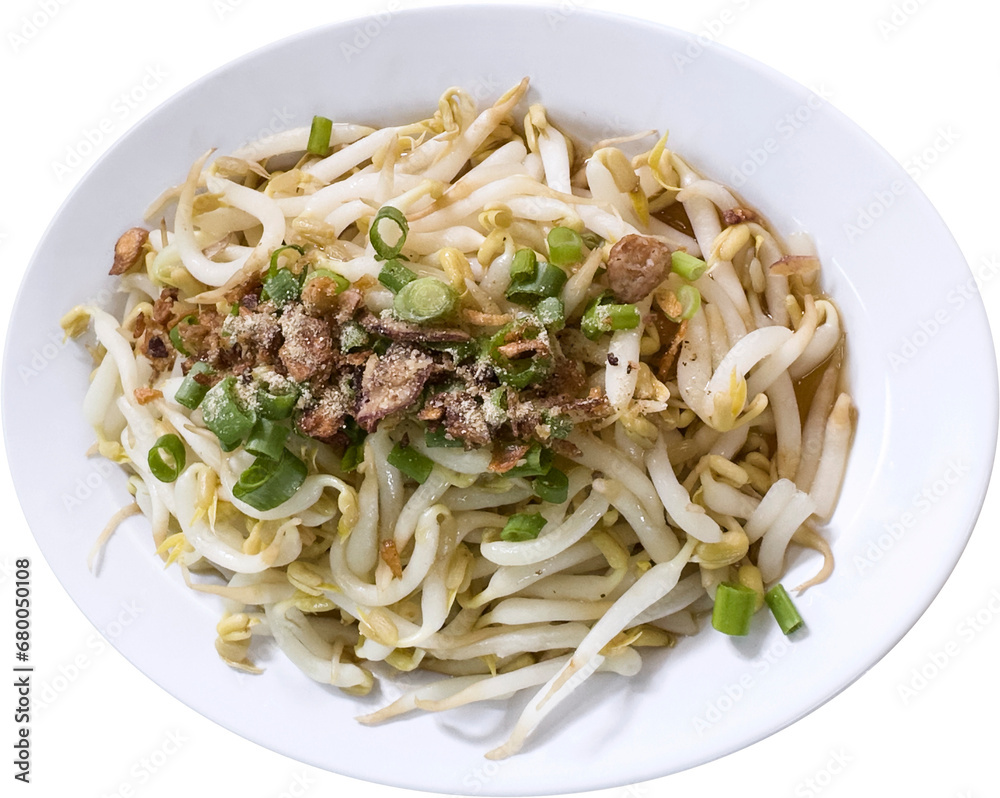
[798, 160]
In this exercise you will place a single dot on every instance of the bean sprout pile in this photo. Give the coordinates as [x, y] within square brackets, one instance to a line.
[462, 395]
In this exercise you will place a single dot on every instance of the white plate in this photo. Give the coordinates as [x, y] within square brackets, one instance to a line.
[919, 343]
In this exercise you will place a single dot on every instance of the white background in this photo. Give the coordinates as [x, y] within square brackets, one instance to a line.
[918, 76]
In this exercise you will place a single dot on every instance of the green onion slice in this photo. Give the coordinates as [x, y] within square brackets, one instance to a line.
[603, 315]
[354, 455]
[565, 246]
[531, 280]
[551, 312]
[519, 372]
[522, 526]
[538, 460]
[224, 416]
[273, 267]
[191, 392]
[546, 281]
[552, 486]
[283, 287]
[175, 334]
[687, 266]
[690, 299]
[424, 299]
[383, 250]
[267, 439]
[783, 609]
[276, 406]
[353, 336]
[411, 462]
[394, 275]
[591, 239]
[269, 482]
[733, 609]
[339, 280]
[319, 135]
[166, 457]
[524, 264]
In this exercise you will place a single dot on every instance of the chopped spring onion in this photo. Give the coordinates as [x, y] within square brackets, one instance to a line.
[517, 372]
[339, 280]
[439, 439]
[175, 334]
[524, 264]
[353, 336]
[267, 439]
[224, 416]
[354, 454]
[522, 373]
[276, 406]
[269, 482]
[559, 425]
[783, 609]
[319, 135]
[551, 487]
[191, 392]
[551, 312]
[273, 267]
[383, 250]
[282, 287]
[281, 284]
[537, 460]
[565, 246]
[687, 266]
[690, 299]
[531, 280]
[604, 315]
[166, 457]
[411, 462]
[395, 275]
[424, 299]
[734, 607]
[591, 239]
[522, 526]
